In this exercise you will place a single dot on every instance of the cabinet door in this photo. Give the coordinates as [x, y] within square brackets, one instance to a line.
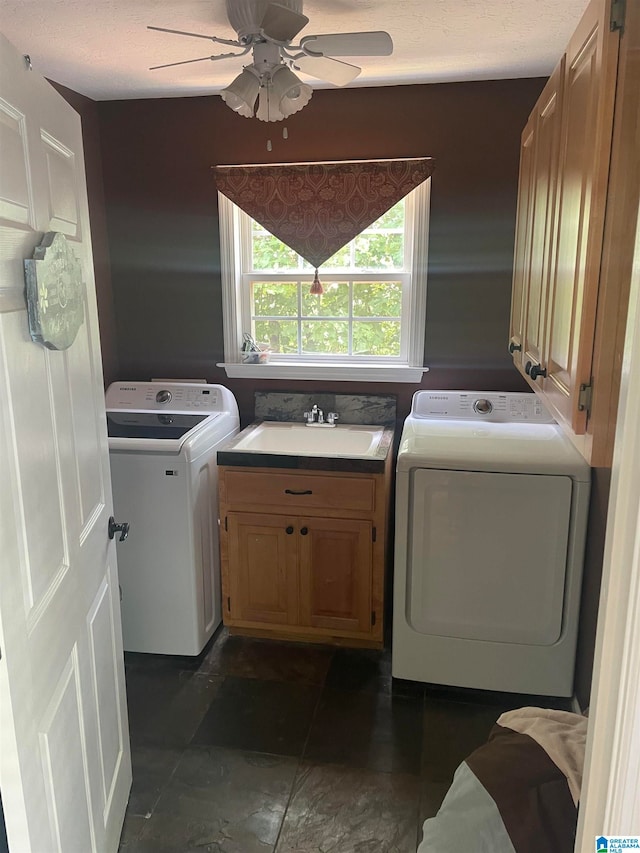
[542, 204]
[335, 574]
[521, 267]
[263, 579]
[588, 100]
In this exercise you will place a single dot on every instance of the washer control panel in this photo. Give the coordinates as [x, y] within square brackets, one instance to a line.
[480, 405]
[159, 397]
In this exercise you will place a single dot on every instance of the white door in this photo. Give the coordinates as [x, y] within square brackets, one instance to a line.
[65, 768]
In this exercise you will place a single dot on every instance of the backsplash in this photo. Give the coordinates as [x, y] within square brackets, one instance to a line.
[351, 408]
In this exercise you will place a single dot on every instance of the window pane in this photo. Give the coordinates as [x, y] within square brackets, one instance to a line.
[331, 338]
[379, 251]
[281, 335]
[341, 260]
[275, 298]
[393, 218]
[334, 302]
[377, 299]
[382, 338]
[269, 253]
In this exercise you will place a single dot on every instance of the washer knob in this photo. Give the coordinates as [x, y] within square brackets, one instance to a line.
[483, 407]
[163, 396]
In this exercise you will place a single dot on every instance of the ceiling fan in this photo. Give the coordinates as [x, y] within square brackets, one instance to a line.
[267, 30]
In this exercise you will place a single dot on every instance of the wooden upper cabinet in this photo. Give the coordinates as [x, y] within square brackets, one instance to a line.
[588, 102]
[561, 207]
[521, 265]
[543, 187]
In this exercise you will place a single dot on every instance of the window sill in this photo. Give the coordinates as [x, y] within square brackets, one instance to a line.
[325, 372]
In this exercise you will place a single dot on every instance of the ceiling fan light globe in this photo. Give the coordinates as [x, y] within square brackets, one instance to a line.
[268, 109]
[289, 92]
[241, 94]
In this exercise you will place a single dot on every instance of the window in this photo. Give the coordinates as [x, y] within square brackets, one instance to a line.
[368, 323]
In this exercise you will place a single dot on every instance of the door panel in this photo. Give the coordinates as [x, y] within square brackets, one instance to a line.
[521, 265]
[487, 555]
[61, 173]
[264, 588]
[65, 768]
[589, 95]
[63, 751]
[544, 180]
[335, 574]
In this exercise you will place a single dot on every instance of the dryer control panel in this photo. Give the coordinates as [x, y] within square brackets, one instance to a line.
[489, 406]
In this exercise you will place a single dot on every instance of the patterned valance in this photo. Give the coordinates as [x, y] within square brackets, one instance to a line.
[317, 208]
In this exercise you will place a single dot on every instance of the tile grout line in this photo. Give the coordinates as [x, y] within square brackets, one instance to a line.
[301, 757]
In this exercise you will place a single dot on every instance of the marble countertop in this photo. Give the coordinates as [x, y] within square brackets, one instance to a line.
[229, 454]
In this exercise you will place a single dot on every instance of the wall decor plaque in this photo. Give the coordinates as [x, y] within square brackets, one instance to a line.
[54, 292]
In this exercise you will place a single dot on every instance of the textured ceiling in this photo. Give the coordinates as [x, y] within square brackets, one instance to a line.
[102, 49]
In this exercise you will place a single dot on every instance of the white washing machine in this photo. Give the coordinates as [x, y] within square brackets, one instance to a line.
[491, 516]
[163, 439]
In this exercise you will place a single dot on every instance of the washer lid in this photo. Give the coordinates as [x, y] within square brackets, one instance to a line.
[163, 426]
[469, 445]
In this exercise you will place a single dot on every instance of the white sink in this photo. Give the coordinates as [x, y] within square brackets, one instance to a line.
[294, 439]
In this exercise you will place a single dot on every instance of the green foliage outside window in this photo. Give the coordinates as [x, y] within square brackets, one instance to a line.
[350, 317]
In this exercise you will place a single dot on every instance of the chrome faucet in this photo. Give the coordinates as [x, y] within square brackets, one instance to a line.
[315, 417]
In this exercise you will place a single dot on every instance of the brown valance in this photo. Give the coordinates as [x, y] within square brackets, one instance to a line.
[317, 208]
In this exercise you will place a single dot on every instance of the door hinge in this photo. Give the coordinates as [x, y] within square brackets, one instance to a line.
[229, 603]
[373, 534]
[617, 15]
[584, 397]
[373, 617]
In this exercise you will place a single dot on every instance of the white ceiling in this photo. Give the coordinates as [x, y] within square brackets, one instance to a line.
[102, 49]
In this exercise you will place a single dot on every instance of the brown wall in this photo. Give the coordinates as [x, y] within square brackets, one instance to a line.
[88, 111]
[162, 216]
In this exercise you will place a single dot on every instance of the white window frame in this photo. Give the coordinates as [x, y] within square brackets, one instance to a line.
[236, 310]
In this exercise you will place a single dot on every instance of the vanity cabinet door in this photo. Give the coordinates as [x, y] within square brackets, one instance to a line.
[335, 559]
[263, 585]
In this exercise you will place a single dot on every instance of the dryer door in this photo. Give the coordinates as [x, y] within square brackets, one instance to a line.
[487, 555]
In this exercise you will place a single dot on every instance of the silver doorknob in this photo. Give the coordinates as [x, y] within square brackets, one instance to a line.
[121, 528]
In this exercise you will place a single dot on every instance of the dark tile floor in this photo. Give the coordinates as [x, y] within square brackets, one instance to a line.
[285, 748]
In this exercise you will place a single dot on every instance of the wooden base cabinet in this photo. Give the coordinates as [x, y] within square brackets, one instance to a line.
[314, 574]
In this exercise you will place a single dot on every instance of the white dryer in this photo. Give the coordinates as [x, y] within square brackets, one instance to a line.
[491, 515]
[163, 440]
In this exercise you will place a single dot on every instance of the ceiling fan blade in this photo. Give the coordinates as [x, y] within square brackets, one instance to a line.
[232, 42]
[184, 62]
[179, 33]
[324, 68]
[200, 59]
[376, 43]
[281, 23]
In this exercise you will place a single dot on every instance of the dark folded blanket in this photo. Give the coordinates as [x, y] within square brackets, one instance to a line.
[518, 792]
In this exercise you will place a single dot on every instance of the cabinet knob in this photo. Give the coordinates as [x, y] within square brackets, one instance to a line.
[514, 347]
[527, 368]
[289, 529]
[304, 531]
[537, 370]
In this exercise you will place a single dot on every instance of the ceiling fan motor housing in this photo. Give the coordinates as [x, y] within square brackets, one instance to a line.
[245, 16]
